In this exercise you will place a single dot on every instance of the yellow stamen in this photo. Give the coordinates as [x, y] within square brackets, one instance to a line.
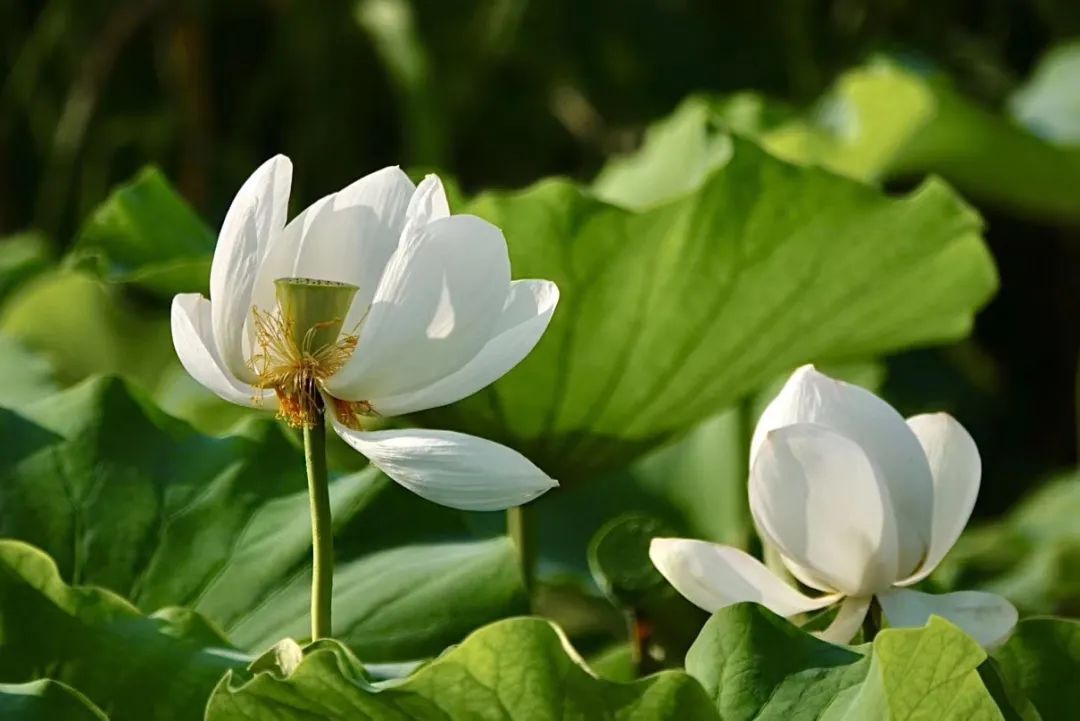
[352, 413]
[295, 365]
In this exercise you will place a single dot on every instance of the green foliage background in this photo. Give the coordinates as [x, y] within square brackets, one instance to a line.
[744, 185]
[501, 92]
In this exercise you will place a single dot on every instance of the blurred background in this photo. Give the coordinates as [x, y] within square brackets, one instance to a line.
[500, 93]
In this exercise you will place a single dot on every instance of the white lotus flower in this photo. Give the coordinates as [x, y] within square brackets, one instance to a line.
[859, 505]
[374, 301]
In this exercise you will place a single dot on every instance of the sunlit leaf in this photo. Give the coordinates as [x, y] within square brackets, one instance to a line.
[669, 315]
[757, 666]
[515, 669]
[878, 122]
[929, 672]
[146, 234]
[676, 156]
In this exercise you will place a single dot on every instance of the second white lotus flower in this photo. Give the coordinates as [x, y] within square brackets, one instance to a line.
[375, 301]
[859, 504]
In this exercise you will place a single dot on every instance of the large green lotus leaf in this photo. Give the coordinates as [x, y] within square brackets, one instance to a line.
[128, 498]
[1042, 660]
[518, 669]
[132, 667]
[1031, 555]
[669, 315]
[399, 603]
[144, 233]
[878, 122]
[757, 666]
[924, 673]
[705, 282]
[46, 700]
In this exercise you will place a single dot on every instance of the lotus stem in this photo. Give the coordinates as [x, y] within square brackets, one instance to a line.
[519, 528]
[322, 535]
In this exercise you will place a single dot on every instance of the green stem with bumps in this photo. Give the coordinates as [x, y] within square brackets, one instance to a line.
[322, 536]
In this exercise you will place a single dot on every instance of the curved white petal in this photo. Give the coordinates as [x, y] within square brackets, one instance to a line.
[854, 412]
[428, 203]
[957, 470]
[986, 617]
[524, 319]
[712, 576]
[255, 217]
[193, 338]
[848, 620]
[437, 304]
[452, 469]
[816, 496]
[805, 575]
[347, 236]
